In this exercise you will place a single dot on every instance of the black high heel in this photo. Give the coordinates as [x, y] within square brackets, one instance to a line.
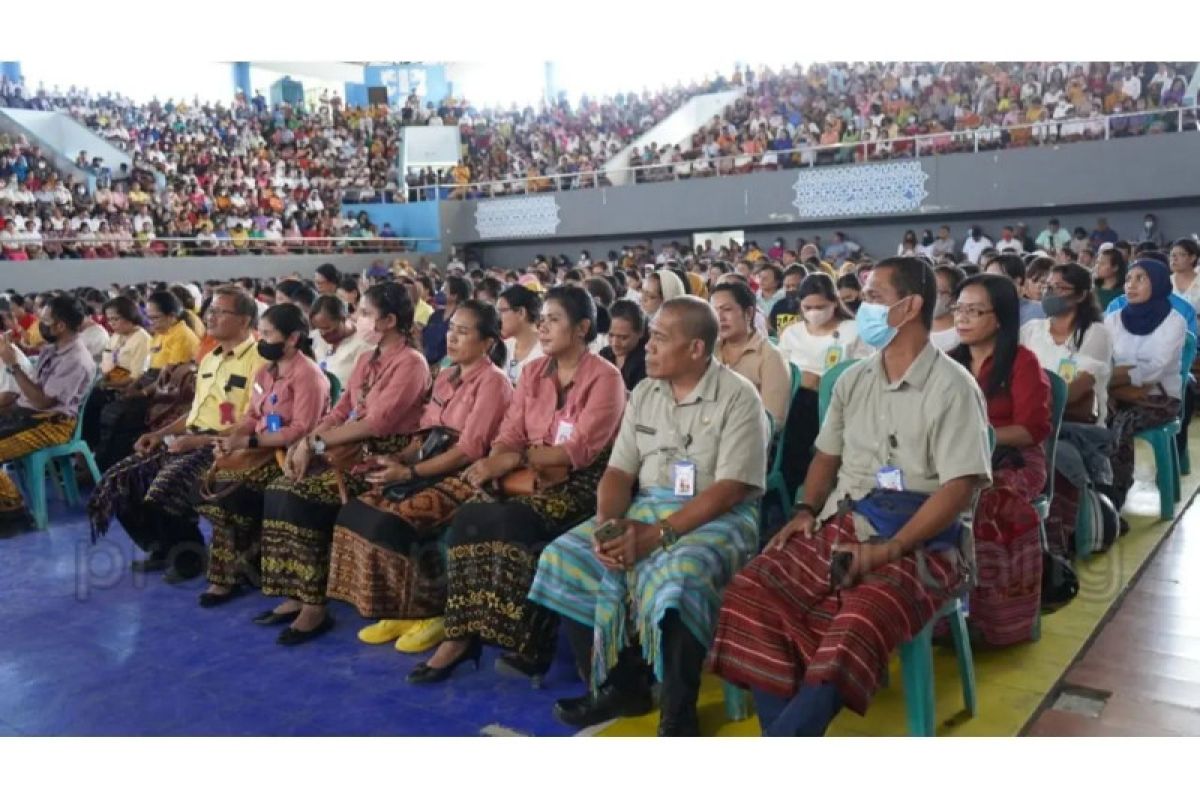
[423, 673]
[513, 665]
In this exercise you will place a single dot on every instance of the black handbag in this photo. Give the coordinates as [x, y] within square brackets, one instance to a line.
[1060, 582]
[436, 442]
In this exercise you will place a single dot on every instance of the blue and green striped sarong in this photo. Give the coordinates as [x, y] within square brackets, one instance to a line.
[689, 578]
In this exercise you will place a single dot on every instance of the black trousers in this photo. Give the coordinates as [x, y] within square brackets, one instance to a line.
[683, 663]
[118, 424]
[166, 536]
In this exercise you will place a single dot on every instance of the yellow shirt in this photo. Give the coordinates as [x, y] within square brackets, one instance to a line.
[224, 377]
[422, 313]
[176, 346]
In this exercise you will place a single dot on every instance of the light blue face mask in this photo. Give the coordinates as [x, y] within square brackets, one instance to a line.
[873, 326]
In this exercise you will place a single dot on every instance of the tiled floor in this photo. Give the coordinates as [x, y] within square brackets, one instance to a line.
[1147, 657]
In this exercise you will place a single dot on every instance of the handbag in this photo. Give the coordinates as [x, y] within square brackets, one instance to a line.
[888, 511]
[1082, 409]
[436, 442]
[239, 460]
[1060, 583]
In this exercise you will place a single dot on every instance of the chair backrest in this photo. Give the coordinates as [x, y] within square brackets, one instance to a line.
[1058, 407]
[77, 436]
[1189, 356]
[825, 391]
[335, 388]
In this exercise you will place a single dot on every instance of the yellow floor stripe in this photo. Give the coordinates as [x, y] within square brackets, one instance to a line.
[1011, 682]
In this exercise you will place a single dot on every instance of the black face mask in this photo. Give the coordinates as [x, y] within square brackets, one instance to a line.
[794, 294]
[47, 335]
[271, 351]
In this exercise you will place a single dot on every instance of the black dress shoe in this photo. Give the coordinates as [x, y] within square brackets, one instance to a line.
[291, 636]
[213, 599]
[609, 703]
[271, 618]
[423, 673]
[682, 725]
[151, 564]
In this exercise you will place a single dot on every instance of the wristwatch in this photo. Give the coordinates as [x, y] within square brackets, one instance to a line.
[253, 440]
[667, 536]
[804, 507]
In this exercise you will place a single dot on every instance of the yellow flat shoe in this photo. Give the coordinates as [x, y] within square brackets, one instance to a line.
[384, 631]
[423, 635]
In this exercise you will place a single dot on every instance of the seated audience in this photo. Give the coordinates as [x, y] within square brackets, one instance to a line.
[626, 348]
[336, 344]
[520, 310]
[748, 353]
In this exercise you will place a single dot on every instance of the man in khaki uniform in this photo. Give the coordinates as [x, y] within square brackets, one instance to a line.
[641, 605]
[908, 419]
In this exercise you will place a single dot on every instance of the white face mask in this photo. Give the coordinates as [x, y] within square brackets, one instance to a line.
[818, 316]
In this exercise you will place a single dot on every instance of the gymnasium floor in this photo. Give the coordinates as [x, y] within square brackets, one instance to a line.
[88, 649]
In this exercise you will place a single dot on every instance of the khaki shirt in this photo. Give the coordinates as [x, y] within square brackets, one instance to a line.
[932, 424]
[720, 427]
[763, 365]
[224, 377]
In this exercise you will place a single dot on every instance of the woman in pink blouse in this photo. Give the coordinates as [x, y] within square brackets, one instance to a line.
[380, 409]
[561, 423]
[387, 558]
[289, 397]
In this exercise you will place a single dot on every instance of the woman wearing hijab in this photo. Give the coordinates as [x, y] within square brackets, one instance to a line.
[1146, 386]
[660, 287]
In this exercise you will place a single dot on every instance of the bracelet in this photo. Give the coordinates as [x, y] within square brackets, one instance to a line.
[412, 473]
[253, 440]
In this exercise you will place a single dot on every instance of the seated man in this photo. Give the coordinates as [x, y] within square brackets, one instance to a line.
[694, 440]
[42, 410]
[908, 418]
[154, 491]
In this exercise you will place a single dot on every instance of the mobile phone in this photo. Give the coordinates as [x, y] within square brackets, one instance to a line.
[839, 566]
[609, 530]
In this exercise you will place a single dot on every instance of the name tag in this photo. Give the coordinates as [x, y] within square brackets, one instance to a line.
[890, 478]
[258, 388]
[683, 475]
[1067, 369]
[274, 423]
[226, 413]
[563, 434]
[833, 355]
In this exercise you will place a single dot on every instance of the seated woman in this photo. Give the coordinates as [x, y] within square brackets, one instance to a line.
[380, 408]
[520, 309]
[122, 363]
[1007, 598]
[1110, 275]
[126, 417]
[386, 557]
[658, 288]
[561, 425]
[1073, 342]
[626, 348]
[943, 334]
[748, 353]
[1146, 388]
[827, 336]
[336, 344]
[290, 396]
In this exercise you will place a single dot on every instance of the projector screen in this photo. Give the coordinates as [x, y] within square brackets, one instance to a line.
[436, 146]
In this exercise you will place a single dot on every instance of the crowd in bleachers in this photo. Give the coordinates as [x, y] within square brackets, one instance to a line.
[489, 456]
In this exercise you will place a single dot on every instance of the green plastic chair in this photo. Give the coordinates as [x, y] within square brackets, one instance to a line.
[776, 485]
[335, 388]
[60, 459]
[1167, 460]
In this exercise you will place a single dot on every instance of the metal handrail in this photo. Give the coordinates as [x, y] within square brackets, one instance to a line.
[809, 156]
[227, 247]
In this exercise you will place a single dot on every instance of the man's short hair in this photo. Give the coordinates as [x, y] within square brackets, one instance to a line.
[909, 276]
[698, 319]
[67, 310]
[243, 303]
[1013, 266]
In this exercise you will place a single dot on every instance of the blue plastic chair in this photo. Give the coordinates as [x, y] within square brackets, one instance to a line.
[1168, 462]
[60, 459]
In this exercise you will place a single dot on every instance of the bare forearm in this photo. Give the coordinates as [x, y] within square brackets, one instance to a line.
[819, 482]
[715, 501]
[32, 392]
[1082, 384]
[450, 461]
[614, 494]
[355, 431]
[1013, 436]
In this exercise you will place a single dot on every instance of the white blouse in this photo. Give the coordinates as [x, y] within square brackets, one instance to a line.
[1093, 356]
[1155, 357]
[130, 352]
[816, 354]
[338, 360]
[513, 367]
[1191, 294]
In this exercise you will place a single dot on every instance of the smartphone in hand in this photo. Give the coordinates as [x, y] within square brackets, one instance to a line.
[609, 530]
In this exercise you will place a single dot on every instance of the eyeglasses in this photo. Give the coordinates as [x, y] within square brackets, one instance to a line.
[1060, 289]
[970, 312]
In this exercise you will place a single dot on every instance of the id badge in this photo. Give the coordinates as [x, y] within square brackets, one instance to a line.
[324, 366]
[274, 423]
[1067, 369]
[563, 434]
[227, 413]
[890, 478]
[683, 475]
[833, 355]
[258, 388]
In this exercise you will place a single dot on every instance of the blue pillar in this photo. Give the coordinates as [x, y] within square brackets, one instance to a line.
[11, 70]
[241, 79]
